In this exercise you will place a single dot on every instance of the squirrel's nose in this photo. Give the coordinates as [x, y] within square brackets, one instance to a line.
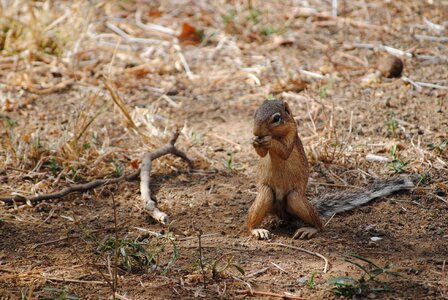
[258, 131]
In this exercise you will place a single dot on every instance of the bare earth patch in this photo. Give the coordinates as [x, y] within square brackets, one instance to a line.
[59, 126]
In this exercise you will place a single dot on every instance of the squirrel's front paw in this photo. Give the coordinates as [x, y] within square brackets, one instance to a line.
[264, 142]
[261, 234]
[305, 232]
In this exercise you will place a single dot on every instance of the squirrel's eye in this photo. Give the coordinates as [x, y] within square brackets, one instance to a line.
[276, 119]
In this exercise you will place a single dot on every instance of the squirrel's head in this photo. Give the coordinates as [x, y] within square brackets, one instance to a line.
[273, 118]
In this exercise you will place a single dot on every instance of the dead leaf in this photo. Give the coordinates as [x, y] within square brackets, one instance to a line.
[190, 35]
[138, 71]
[280, 41]
[326, 69]
[8, 105]
[290, 85]
[26, 137]
[135, 164]
[154, 12]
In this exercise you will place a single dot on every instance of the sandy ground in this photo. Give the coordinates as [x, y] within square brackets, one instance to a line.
[57, 249]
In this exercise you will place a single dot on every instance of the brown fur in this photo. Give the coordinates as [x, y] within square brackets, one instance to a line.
[283, 176]
[282, 170]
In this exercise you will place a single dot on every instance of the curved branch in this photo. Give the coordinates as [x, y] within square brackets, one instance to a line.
[145, 177]
[144, 173]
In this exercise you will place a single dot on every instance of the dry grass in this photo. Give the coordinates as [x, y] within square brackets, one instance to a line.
[87, 87]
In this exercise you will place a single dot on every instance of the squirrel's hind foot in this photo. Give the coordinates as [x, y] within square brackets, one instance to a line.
[261, 234]
[305, 232]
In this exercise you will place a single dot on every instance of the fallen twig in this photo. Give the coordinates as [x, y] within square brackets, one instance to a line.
[145, 191]
[329, 220]
[440, 198]
[311, 74]
[278, 267]
[432, 85]
[433, 26]
[54, 89]
[121, 297]
[184, 62]
[267, 294]
[130, 39]
[431, 38]
[398, 52]
[412, 82]
[157, 234]
[257, 272]
[150, 26]
[310, 12]
[388, 49]
[418, 85]
[62, 279]
[68, 190]
[236, 145]
[306, 251]
[145, 171]
[377, 158]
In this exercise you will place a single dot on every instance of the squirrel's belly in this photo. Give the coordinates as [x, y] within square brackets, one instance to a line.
[281, 177]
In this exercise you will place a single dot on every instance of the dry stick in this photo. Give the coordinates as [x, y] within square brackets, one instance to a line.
[121, 105]
[311, 74]
[169, 148]
[278, 267]
[150, 26]
[433, 26]
[306, 251]
[201, 259]
[413, 83]
[440, 198]
[431, 38]
[63, 279]
[268, 294]
[56, 88]
[219, 247]
[236, 145]
[148, 203]
[68, 190]
[390, 50]
[192, 237]
[398, 52]
[131, 39]
[258, 272]
[349, 21]
[328, 222]
[418, 85]
[115, 270]
[46, 219]
[121, 297]
[432, 85]
[184, 62]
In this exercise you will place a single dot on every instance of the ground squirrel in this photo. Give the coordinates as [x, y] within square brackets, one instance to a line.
[283, 176]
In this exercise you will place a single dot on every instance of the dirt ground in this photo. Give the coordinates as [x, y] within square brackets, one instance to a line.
[59, 126]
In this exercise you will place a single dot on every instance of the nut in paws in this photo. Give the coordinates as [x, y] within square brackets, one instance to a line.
[262, 141]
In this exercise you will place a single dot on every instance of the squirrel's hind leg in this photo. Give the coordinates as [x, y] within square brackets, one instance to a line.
[298, 204]
[262, 206]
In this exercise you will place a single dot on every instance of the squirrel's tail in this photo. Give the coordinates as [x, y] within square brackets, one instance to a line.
[328, 205]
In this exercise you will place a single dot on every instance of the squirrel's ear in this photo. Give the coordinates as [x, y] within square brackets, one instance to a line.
[287, 109]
